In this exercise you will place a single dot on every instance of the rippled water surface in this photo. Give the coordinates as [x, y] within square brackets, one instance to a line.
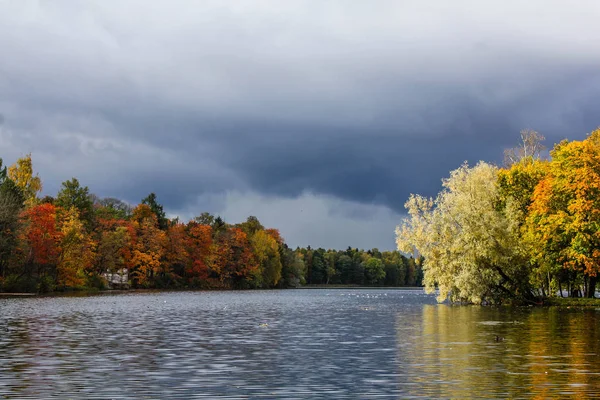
[292, 344]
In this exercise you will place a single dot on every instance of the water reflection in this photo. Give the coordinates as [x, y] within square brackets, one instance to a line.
[463, 352]
[292, 344]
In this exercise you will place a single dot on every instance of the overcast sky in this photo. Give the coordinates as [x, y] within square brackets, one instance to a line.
[319, 117]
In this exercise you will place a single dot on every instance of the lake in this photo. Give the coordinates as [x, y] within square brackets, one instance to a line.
[311, 343]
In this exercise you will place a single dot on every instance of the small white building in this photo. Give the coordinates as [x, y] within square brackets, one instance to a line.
[118, 279]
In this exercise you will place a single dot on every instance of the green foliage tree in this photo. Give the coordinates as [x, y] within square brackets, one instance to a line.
[205, 219]
[73, 195]
[319, 267]
[292, 268]
[219, 227]
[344, 267]
[11, 203]
[395, 268]
[331, 272]
[112, 208]
[157, 209]
[374, 271]
[251, 226]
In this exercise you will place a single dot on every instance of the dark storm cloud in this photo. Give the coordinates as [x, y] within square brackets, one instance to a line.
[363, 102]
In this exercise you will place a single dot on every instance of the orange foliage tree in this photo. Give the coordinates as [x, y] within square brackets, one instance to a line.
[148, 247]
[232, 260]
[564, 216]
[199, 250]
[176, 252]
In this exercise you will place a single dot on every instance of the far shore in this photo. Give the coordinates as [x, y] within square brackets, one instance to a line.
[17, 294]
[360, 287]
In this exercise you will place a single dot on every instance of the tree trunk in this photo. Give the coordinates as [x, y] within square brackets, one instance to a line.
[591, 287]
[560, 289]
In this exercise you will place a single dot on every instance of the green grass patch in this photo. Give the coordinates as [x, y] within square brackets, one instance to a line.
[572, 302]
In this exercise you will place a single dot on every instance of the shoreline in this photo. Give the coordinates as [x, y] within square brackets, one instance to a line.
[360, 287]
[2, 294]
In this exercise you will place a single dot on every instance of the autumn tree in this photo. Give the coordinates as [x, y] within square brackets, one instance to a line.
[112, 249]
[232, 259]
[77, 253]
[199, 246]
[177, 256]
[564, 219]
[21, 173]
[472, 250]
[40, 238]
[148, 247]
[266, 251]
[518, 182]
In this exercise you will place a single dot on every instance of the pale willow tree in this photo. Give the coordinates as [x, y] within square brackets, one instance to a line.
[468, 238]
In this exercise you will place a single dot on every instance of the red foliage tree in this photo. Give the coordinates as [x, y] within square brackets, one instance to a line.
[40, 236]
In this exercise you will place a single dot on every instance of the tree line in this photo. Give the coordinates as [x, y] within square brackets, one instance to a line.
[79, 240]
[522, 232]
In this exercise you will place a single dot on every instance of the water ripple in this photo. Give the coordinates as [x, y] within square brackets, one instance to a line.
[291, 344]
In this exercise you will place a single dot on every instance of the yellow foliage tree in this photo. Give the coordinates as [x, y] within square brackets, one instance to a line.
[21, 173]
[77, 251]
[266, 251]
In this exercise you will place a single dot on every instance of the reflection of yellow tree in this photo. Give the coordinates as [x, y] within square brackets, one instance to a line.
[541, 353]
[584, 346]
[456, 357]
[538, 345]
[560, 353]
